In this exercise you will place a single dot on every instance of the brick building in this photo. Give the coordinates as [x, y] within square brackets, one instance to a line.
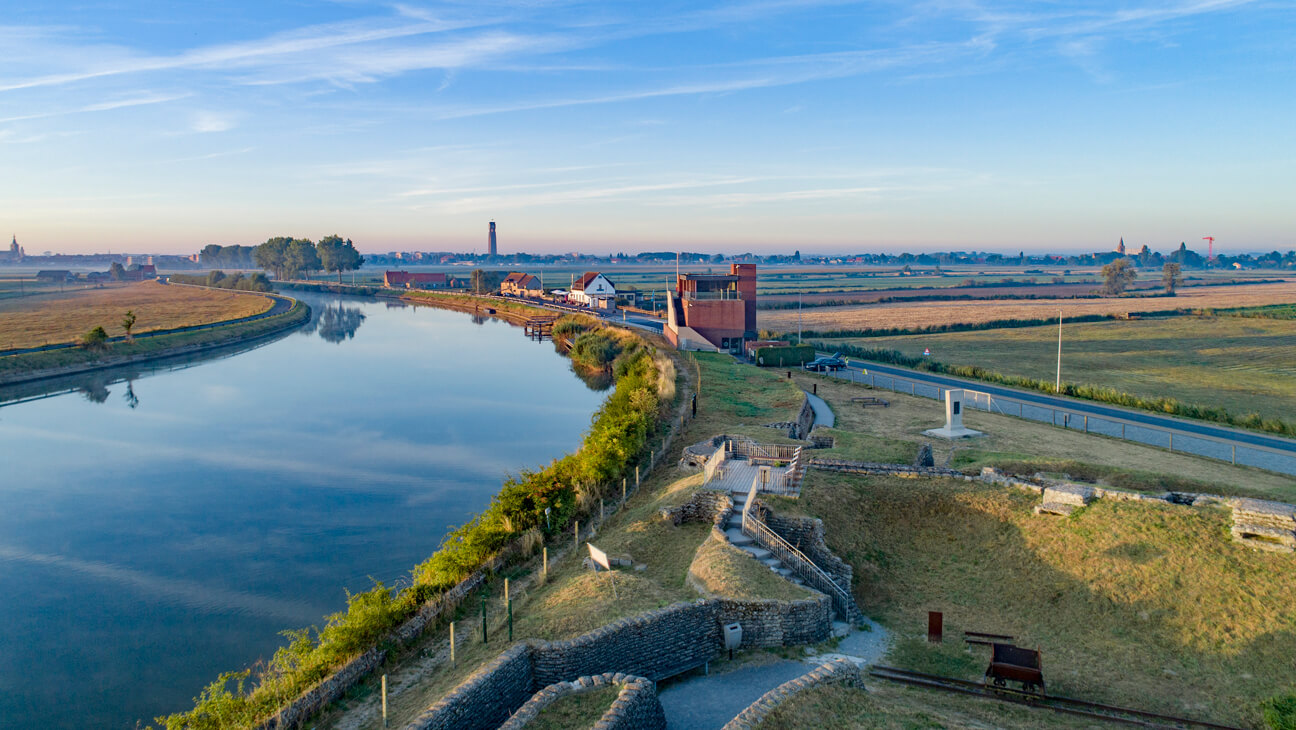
[713, 311]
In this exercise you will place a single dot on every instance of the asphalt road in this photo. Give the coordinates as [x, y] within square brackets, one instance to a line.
[1073, 405]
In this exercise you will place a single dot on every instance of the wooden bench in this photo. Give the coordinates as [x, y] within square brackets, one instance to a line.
[871, 400]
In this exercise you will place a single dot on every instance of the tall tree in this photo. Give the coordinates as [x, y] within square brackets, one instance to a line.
[1171, 276]
[1117, 276]
[300, 258]
[117, 271]
[338, 255]
[273, 255]
[128, 322]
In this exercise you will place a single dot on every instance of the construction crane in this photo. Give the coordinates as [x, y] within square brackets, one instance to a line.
[1210, 250]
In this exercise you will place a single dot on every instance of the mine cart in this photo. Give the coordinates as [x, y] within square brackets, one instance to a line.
[1010, 663]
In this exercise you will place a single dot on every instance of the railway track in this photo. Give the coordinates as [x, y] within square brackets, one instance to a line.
[1064, 705]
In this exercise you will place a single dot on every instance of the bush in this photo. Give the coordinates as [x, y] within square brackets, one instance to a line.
[596, 350]
[781, 356]
[220, 280]
[95, 339]
[1280, 712]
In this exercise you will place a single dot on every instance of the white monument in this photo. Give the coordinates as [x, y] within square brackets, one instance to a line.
[953, 419]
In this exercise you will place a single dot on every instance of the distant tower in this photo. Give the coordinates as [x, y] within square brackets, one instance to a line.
[491, 239]
[1120, 247]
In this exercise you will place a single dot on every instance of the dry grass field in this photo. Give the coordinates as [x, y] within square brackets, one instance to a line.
[925, 314]
[1141, 605]
[54, 318]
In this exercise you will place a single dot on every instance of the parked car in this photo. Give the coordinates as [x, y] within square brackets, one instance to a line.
[820, 364]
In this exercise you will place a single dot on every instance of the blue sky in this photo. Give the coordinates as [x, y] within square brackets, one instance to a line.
[762, 125]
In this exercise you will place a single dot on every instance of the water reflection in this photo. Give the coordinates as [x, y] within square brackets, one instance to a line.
[335, 324]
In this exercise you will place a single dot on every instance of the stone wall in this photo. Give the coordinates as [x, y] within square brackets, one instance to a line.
[708, 506]
[869, 467]
[654, 645]
[636, 706]
[807, 535]
[841, 671]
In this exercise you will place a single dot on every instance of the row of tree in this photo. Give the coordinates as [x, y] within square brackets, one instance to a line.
[1119, 274]
[287, 257]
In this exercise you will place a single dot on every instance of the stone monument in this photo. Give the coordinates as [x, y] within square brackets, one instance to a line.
[953, 428]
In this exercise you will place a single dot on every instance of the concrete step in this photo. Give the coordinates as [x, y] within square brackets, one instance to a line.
[759, 553]
[737, 538]
[785, 572]
[734, 523]
[797, 580]
[772, 562]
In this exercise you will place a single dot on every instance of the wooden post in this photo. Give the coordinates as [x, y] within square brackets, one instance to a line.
[935, 626]
[1172, 442]
[544, 562]
[623, 490]
[485, 637]
[577, 545]
[452, 643]
[636, 476]
[510, 620]
[506, 590]
[1234, 460]
[384, 699]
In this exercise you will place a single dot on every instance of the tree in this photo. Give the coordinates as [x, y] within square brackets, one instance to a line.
[301, 258]
[127, 322]
[117, 271]
[1117, 276]
[1171, 276]
[215, 277]
[95, 339]
[338, 255]
[272, 255]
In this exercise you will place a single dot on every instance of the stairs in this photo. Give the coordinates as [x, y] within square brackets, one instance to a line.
[733, 531]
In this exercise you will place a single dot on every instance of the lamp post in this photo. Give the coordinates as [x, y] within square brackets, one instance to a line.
[1057, 387]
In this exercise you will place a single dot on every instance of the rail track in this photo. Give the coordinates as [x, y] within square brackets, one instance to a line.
[1064, 705]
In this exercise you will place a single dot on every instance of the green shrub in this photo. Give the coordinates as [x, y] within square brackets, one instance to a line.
[95, 339]
[782, 356]
[596, 350]
[1280, 712]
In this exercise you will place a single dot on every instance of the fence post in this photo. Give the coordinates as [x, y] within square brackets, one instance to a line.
[1234, 460]
[452, 643]
[544, 558]
[1171, 441]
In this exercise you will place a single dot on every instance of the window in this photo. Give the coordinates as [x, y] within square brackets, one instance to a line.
[956, 405]
[724, 343]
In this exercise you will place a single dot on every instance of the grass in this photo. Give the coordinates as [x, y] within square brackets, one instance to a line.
[1131, 604]
[577, 711]
[53, 319]
[724, 571]
[1242, 365]
[893, 434]
[882, 705]
[737, 398]
[926, 314]
[24, 365]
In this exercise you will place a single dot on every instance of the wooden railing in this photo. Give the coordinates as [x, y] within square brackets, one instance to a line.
[803, 566]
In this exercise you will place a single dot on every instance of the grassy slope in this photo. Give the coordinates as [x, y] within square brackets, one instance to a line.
[52, 319]
[576, 711]
[575, 601]
[1243, 365]
[893, 434]
[1131, 604]
[936, 313]
[723, 570]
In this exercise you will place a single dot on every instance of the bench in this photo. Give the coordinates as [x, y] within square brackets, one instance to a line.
[871, 400]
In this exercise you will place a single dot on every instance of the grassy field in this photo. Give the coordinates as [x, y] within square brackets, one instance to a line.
[576, 711]
[1133, 604]
[1242, 365]
[927, 314]
[893, 435]
[56, 318]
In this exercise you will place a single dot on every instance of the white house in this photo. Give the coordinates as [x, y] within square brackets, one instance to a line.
[593, 290]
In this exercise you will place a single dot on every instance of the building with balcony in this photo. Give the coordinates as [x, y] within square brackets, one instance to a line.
[714, 312]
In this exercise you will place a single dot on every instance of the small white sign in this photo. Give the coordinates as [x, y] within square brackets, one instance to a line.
[599, 557]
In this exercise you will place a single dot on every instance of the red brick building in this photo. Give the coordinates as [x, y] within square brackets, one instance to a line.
[407, 280]
[713, 311]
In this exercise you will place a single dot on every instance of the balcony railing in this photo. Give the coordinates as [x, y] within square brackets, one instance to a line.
[713, 296]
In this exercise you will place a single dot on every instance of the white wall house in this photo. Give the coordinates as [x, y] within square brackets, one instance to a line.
[593, 290]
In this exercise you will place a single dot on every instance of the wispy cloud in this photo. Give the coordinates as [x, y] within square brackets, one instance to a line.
[102, 106]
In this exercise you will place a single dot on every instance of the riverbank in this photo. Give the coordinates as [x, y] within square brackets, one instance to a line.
[489, 306]
[534, 508]
[54, 363]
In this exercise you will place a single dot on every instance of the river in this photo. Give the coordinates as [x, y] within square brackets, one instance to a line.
[160, 529]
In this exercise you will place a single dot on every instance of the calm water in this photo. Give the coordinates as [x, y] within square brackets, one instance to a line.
[158, 531]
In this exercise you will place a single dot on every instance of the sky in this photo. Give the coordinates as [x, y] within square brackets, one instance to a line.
[750, 125]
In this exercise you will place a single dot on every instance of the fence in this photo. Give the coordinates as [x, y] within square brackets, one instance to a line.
[715, 464]
[812, 574]
[1212, 447]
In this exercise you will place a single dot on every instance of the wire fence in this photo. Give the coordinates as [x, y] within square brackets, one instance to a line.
[1175, 440]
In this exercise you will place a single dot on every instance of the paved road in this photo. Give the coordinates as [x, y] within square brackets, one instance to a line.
[699, 702]
[823, 413]
[1080, 406]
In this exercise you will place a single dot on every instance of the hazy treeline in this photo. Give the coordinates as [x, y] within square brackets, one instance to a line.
[216, 278]
[287, 257]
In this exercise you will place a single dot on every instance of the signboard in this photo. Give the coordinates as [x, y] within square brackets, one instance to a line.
[598, 557]
[926, 352]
